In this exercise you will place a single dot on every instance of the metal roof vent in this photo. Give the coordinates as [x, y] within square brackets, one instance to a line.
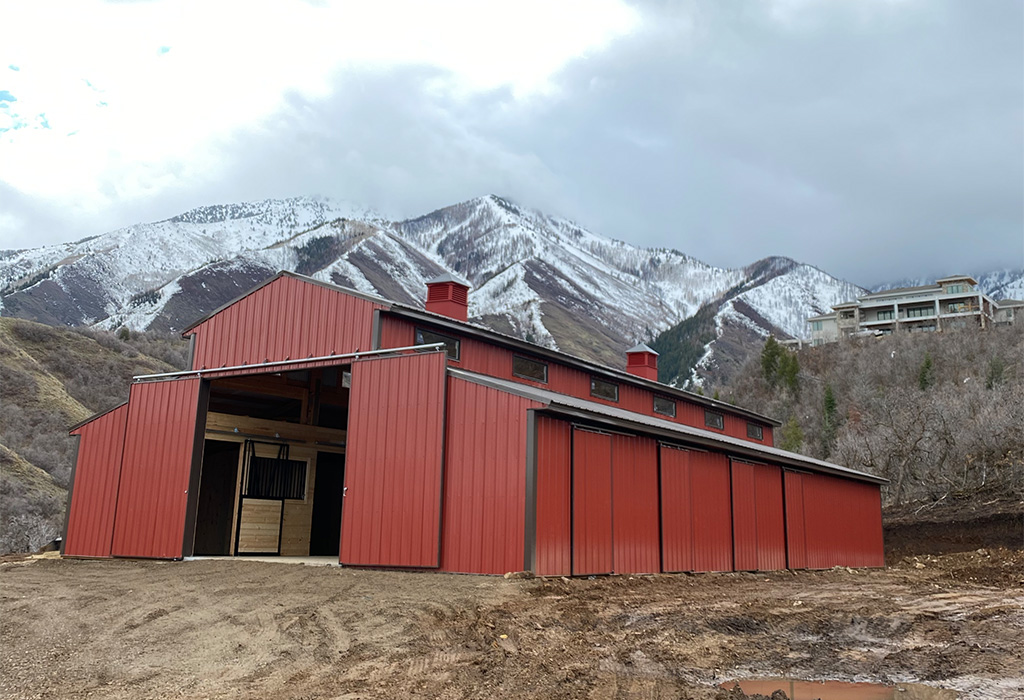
[448, 296]
[642, 361]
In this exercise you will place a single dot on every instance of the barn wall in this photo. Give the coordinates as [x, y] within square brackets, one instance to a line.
[484, 480]
[636, 527]
[712, 511]
[90, 524]
[393, 470]
[486, 358]
[156, 469]
[554, 497]
[287, 319]
[842, 522]
[593, 549]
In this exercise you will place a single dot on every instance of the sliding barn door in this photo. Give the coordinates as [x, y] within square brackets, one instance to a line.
[391, 511]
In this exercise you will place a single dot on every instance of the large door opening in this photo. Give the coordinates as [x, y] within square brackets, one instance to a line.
[328, 490]
[216, 498]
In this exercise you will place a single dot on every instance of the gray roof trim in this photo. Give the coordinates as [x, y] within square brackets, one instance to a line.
[295, 275]
[641, 347]
[446, 277]
[565, 358]
[588, 410]
[94, 416]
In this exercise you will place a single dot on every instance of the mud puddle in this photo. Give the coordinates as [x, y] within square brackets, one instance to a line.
[838, 690]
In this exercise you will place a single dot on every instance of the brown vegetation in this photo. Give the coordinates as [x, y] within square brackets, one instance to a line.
[940, 415]
[50, 379]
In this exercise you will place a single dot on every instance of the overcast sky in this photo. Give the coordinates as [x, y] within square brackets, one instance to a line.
[876, 139]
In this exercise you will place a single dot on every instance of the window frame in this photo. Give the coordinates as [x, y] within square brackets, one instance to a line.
[528, 378]
[418, 339]
[717, 425]
[672, 402]
[597, 380]
[755, 431]
[887, 315]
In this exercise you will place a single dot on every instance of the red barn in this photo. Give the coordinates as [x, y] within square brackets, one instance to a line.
[317, 420]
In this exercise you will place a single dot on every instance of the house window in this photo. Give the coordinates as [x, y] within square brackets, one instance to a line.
[755, 431]
[815, 325]
[921, 312]
[529, 369]
[957, 307]
[451, 345]
[666, 407]
[604, 390]
[957, 289]
[885, 315]
[714, 420]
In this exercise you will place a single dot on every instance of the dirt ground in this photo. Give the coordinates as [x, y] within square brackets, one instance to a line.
[244, 629]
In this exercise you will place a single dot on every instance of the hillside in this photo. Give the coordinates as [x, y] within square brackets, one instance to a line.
[50, 379]
[939, 414]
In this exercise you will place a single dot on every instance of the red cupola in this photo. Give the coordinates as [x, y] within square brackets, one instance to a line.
[642, 362]
[448, 296]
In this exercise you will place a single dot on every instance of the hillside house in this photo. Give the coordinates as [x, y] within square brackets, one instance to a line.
[318, 420]
[951, 303]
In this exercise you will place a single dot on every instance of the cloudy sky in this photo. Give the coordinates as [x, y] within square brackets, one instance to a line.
[877, 139]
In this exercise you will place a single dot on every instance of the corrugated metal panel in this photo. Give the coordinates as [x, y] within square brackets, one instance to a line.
[771, 522]
[484, 480]
[288, 318]
[94, 492]
[676, 510]
[843, 522]
[712, 511]
[744, 517]
[159, 447]
[592, 551]
[554, 497]
[759, 531]
[635, 505]
[796, 542]
[392, 508]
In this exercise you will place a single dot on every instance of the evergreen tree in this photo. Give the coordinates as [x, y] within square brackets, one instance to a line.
[792, 436]
[926, 375]
[829, 421]
[771, 353]
[789, 370]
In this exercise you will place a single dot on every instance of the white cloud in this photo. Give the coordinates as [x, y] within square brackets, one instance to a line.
[135, 95]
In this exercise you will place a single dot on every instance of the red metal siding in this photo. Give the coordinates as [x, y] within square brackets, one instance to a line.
[771, 524]
[712, 511]
[554, 497]
[676, 510]
[94, 492]
[159, 445]
[484, 480]
[842, 522]
[796, 542]
[288, 319]
[744, 517]
[759, 532]
[392, 508]
[495, 361]
[592, 503]
[635, 505]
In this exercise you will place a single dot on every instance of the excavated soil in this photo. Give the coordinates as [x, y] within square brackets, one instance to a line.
[226, 629]
[244, 629]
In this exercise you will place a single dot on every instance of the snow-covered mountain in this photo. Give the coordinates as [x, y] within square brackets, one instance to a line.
[535, 276]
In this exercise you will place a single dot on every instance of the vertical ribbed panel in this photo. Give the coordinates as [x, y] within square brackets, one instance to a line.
[286, 319]
[592, 551]
[712, 511]
[94, 491]
[759, 529]
[843, 522]
[554, 497]
[484, 480]
[635, 505]
[744, 517]
[676, 510]
[771, 523]
[392, 508]
[796, 541]
[155, 469]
